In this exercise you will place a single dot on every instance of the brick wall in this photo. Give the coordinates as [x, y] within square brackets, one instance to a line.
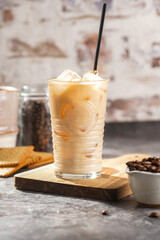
[41, 38]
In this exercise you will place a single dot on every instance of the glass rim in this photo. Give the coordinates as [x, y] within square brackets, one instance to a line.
[56, 80]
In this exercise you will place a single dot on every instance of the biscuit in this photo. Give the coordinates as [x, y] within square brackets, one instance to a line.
[36, 157]
[11, 156]
[41, 163]
[19, 156]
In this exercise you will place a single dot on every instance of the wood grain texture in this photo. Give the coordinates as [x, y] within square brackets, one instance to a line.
[112, 185]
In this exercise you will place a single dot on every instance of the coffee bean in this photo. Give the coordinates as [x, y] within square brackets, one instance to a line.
[105, 212]
[133, 168]
[154, 215]
[129, 163]
[153, 168]
[135, 165]
[137, 162]
[146, 163]
[144, 159]
[156, 163]
[142, 168]
[149, 167]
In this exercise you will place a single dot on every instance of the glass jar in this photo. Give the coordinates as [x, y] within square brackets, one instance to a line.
[9, 100]
[35, 124]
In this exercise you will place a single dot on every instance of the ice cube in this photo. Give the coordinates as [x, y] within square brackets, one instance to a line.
[92, 76]
[69, 75]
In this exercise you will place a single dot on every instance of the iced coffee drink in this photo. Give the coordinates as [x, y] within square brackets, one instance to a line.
[78, 107]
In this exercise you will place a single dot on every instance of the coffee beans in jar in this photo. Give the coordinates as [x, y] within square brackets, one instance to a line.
[35, 123]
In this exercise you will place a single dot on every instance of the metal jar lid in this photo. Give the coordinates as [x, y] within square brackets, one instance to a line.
[34, 90]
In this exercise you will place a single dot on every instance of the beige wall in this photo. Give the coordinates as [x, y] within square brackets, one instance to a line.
[41, 38]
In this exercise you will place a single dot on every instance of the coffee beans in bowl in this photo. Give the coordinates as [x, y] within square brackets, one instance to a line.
[144, 180]
[151, 164]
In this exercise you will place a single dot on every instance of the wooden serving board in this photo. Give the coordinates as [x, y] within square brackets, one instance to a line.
[112, 185]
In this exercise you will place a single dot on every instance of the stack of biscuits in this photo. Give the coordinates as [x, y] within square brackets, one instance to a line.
[13, 159]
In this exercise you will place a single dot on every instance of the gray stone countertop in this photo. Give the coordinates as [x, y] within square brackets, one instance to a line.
[27, 215]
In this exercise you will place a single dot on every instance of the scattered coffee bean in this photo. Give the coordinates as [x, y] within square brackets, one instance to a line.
[105, 212]
[151, 164]
[154, 215]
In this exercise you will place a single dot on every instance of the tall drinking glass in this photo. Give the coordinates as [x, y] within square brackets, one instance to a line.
[78, 116]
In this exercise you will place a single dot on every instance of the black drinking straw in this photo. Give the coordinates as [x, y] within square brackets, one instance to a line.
[99, 36]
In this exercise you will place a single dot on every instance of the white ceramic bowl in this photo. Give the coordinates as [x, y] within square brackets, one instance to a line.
[145, 187]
